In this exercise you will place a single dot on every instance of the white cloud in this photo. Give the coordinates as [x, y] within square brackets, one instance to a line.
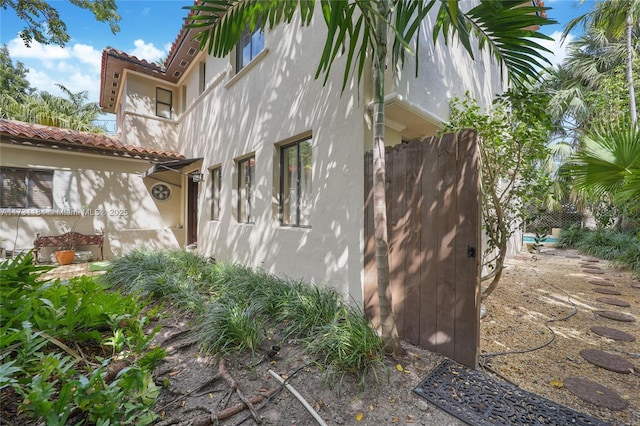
[146, 51]
[18, 50]
[77, 66]
[557, 47]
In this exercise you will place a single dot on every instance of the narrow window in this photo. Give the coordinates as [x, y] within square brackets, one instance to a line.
[216, 176]
[203, 77]
[163, 103]
[27, 189]
[183, 94]
[251, 43]
[246, 190]
[295, 183]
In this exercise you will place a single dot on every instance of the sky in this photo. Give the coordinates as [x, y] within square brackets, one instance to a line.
[147, 30]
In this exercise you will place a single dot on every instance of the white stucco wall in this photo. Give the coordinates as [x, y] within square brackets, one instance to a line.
[104, 193]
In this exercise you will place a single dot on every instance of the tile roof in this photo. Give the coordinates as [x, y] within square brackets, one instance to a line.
[114, 62]
[18, 132]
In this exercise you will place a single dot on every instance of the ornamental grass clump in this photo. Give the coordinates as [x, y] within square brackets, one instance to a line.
[236, 308]
[174, 276]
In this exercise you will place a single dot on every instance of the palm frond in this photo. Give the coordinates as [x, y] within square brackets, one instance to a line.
[221, 22]
[509, 31]
[609, 163]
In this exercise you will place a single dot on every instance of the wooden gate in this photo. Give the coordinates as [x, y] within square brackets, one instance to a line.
[433, 215]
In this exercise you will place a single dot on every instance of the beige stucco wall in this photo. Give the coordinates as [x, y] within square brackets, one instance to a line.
[273, 102]
[92, 193]
[276, 100]
[138, 124]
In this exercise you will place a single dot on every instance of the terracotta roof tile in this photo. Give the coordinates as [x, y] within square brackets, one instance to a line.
[48, 135]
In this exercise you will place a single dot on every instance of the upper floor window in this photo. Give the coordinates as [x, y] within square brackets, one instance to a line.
[246, 190]
[251, 43]
[26, 188]
[296, 168]
[216, 177]
[163, 102]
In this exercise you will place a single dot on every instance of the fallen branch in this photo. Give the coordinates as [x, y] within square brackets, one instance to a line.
[224, 373]
[299, 397]
[210, 419]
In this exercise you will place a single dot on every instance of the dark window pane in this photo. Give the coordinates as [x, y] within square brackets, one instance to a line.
[295, 183]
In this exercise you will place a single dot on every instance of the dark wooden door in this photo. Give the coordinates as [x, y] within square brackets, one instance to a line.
[192, 211]
[433, 214]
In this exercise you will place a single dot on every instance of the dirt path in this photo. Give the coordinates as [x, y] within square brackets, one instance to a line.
[554, 285]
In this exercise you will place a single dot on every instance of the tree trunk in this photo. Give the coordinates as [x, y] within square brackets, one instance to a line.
[632, 94]
[387, 316]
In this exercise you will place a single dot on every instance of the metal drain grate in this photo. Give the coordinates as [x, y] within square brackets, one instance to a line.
[478, 399]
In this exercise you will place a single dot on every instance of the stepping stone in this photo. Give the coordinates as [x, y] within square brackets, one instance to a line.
[607, 360]
[607, 291]
[615, 302]
[601, 283]
[594, 271]
[572, 256]
[594, 393]
[612, 333]
[616, 316]
[595, 268]
[635, 285]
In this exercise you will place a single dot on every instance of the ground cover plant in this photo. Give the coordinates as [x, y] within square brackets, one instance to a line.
[622, 248]
[72, 352]
[235, 308]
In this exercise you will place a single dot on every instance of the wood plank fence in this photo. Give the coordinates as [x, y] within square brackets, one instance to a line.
[433, 214]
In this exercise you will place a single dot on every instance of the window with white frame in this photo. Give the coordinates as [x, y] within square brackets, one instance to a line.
[251, 43]
[163, 102]
[296, 167]
[216, 177]
[246, 190]
[26, 188]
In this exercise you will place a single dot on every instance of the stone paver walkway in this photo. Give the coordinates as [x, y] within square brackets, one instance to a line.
[588, 390]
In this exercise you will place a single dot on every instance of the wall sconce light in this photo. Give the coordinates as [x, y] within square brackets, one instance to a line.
[197, 177]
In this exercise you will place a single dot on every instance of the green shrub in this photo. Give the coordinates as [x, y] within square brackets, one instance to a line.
[41, 322]
[619, 247]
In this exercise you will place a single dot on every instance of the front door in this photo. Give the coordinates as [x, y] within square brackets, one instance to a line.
[192, 211]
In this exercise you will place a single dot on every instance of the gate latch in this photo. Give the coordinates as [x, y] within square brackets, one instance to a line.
[471, 251]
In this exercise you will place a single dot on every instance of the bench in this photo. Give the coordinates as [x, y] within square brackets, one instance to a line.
[68, 239]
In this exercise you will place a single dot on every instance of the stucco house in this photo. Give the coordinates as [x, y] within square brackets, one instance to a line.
[53, 180]
[281, 155]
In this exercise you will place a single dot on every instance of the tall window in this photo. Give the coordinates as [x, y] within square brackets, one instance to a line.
[246, 190]
[216, 176]
[25, 188]
[163, 103]
[250, 44]
[203, 77]
[295, 183]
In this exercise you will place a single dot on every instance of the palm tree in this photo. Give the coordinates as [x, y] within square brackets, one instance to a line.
[73, 112]
[618, 19]
[588, 88]
[360, 29]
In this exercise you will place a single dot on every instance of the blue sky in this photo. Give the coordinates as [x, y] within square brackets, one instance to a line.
[147, 30]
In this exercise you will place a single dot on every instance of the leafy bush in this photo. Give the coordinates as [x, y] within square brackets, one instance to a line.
[42, 321]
